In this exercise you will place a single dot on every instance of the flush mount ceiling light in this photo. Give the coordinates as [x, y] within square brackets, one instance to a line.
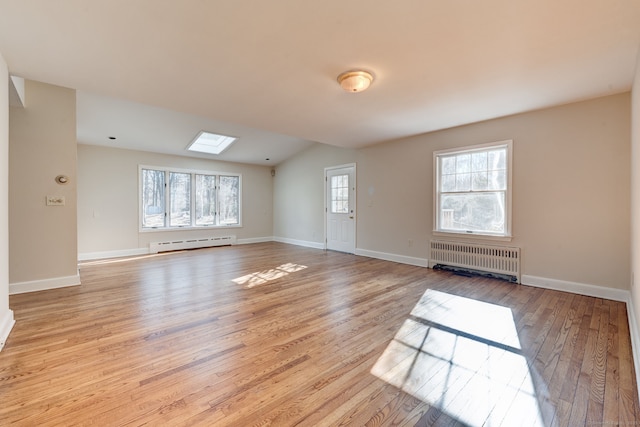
[211, 143]
[355, 80]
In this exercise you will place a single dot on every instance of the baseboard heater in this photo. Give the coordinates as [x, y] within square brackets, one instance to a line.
[204, 242]
[470, 258]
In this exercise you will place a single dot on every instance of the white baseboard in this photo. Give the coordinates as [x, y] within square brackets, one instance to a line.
[254, 240]
[307, 244]
[90, 256]
[6, 324]
[576, 288]
[402, 259]
[635, 339]
[42, 285]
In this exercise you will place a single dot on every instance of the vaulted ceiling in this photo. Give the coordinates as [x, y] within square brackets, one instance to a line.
[266, 70]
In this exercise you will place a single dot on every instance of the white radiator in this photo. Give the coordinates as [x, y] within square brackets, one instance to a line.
[493, 259]
[204, 242]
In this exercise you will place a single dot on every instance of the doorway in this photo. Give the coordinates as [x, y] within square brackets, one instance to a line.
[340, 208]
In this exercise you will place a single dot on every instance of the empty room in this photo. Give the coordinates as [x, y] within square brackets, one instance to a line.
[319, 214]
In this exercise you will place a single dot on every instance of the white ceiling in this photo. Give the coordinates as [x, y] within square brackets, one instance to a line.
[147, 128]
[155, 72]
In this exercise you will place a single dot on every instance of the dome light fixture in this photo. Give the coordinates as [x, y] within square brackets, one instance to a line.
[355, 80]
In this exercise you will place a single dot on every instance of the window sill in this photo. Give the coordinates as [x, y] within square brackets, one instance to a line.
[471, 236]
[199, 228]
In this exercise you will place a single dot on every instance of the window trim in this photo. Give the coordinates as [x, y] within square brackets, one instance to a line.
[192, 172]
[475, 235]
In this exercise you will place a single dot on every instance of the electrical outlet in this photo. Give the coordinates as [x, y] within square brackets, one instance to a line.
[55, 200]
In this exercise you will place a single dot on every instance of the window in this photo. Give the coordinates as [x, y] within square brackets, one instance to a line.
[211, 143]
[178, 199]
[205, 199]
[473, 190]
[340, 194]
[153, 196]
[229, 191]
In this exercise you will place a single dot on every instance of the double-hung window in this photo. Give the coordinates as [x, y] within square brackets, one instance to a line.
[473, 190]
[171, 199]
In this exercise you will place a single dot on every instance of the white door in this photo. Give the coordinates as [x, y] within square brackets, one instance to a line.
[341, 208]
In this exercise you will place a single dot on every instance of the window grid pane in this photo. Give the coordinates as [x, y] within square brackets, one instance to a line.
[477, 171]
[229, 200]
[153, 201]
[205, 199]
[481, 212]
[340, 194]
[180, 197]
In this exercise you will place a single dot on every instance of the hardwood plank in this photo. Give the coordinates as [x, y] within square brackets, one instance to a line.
[596, 397]
[628, 403]
[610, 412]
[583, 390]
[274, 334]
[570, 382]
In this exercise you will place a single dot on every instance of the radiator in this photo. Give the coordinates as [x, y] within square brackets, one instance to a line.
[205, 242]
[486, 258]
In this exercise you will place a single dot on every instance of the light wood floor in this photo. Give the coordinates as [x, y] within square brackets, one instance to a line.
[273, 334]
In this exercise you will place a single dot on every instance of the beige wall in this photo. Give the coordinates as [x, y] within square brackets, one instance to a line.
[6, 315]
[299, 192]
[570, 191]
[635, 198]
[42, 145]
[108, 199]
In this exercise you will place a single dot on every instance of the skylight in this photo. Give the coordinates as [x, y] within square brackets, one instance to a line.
[211, 143]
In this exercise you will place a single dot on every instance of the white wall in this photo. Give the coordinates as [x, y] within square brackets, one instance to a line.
[42, 145]
[6, 315]
[571, 209]
[108, 200]
[299, 193]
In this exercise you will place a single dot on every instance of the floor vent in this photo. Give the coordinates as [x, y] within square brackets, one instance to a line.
[205, 242]
[501, 260]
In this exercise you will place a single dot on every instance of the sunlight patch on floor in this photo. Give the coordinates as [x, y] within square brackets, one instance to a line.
[262, 277]
[463, 357]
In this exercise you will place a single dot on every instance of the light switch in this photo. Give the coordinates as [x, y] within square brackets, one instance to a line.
[55, 200]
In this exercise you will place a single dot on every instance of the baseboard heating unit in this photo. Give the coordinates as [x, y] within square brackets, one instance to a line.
[493, 261]
[178, 244]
